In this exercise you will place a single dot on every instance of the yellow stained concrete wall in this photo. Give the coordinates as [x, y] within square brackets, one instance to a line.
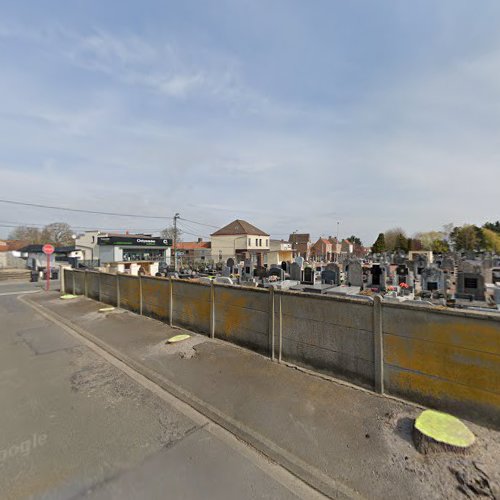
[444, 359]
[191, 305]
[241, 316]
[129, 292]
[156, 298]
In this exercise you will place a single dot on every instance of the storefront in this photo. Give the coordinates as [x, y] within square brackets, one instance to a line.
[134, 254]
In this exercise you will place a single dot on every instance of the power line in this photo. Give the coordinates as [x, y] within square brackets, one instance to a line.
[96, 212]
[199, 223]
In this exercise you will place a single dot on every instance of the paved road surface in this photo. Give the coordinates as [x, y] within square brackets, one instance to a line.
[74, 425]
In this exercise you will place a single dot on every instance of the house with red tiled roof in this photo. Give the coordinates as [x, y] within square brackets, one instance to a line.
[322, 250]
[239, 240]
[191, 252]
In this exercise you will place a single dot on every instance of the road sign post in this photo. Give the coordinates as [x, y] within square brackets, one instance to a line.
[48, 250]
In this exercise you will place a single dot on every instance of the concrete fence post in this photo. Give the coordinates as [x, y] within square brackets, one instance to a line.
[212, 310]
[171, 302]
[280, 340]
[100, 290]
[63, 279]
[85, 284]
[117, 290]
[378, 341]
[271, 323]
[140, 294]
[73, 273]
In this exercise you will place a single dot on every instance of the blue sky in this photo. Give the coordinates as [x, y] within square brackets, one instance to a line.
[292, 115]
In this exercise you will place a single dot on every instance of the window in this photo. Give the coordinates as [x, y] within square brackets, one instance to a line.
[249, 242]
[260, 242]
[267, 243]
[256, 242]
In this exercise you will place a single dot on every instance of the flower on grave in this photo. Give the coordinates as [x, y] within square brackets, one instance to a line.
[404, 285]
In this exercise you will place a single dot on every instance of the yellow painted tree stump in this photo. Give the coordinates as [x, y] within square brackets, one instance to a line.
[435, 431]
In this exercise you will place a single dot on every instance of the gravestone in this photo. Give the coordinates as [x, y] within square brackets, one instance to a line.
[354, 271]
[226, 271]
[329, 277]
[377, 276]
[402, 274]
[309, 276]
[295, 272]
[433, 279]
[248, 269]
[420, 263]
[278, 272]
[300, 261]
[470, 285]
[230, 264]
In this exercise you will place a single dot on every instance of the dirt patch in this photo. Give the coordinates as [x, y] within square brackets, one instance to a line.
[445, 475]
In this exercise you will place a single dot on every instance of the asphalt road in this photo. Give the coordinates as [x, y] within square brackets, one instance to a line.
[74, 424]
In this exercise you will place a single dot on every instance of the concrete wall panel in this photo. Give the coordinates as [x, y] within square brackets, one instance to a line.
[445, 359]
[79, 282]
[191, 305]
[241, 316]
[108, 288]
[328, 336]
[155, 298]
[68, 280]
[93, 285]
[129, 292]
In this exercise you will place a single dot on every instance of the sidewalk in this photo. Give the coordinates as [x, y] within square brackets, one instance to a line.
[342, 440]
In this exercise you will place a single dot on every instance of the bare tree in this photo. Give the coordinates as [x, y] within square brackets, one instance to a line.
[32, 235]
[58, 233]
[169, 233]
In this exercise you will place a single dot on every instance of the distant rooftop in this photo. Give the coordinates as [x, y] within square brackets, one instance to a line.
[237, 227]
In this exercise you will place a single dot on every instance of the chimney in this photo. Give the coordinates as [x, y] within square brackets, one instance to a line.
[200, 240]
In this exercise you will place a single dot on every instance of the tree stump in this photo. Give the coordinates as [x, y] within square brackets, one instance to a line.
[435, 431]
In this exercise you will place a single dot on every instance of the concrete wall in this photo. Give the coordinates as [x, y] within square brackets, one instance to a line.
[8, 261]
[446, 359]
[156, 298]
[129, 292]
[332, 336]
[191, 305]
[242, 316]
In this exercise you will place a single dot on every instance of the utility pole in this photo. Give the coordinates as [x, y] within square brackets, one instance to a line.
[176, 216]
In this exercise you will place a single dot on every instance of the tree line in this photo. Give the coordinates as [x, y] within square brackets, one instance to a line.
[468, 237]
[61, 234]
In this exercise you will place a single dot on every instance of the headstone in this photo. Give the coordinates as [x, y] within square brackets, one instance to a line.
[329, 277]
[248, 269]
[300, 261]
[309, 276]
[433, 280]
[226, 271]
[355, 273]
[295, 272]
[230, 264]
[470, 285]
[278, 272]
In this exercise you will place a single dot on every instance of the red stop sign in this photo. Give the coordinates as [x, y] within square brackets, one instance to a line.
[48, 249]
